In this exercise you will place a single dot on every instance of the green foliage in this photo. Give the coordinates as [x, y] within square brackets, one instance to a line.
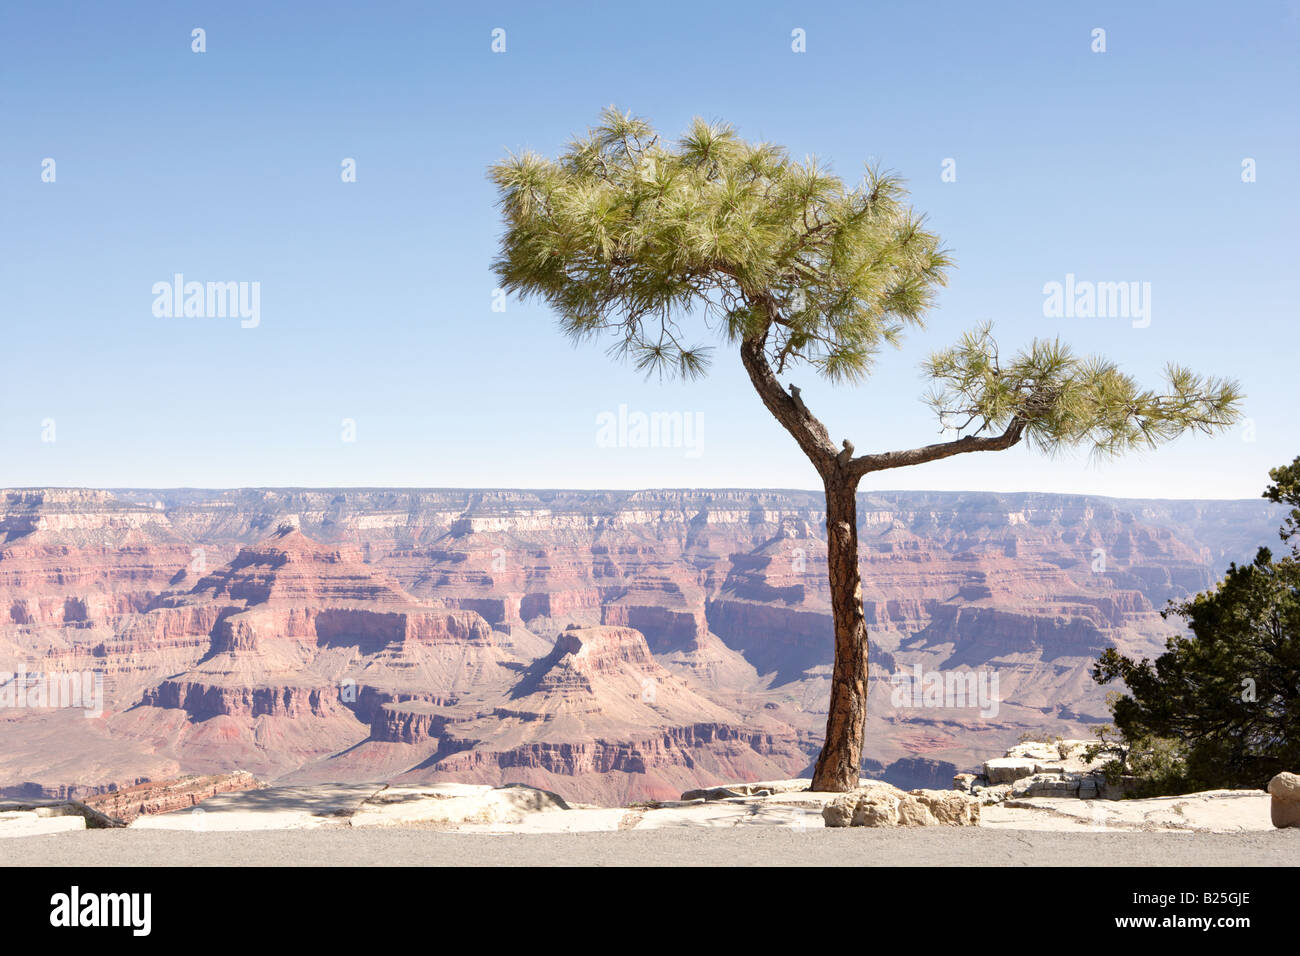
[1285, 489]
[1065, 400]
[1146, 766]
[1227, 695]
[629, 233]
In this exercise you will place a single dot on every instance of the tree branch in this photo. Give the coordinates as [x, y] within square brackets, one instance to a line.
[864, 464]
[788, 409]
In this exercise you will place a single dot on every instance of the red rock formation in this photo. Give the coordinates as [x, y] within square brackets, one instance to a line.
[599, 707]
[361, 634]
[164, 796]
[305, 636]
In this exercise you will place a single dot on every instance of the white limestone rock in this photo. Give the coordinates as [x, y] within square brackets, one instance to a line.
[1008, 769]
[882, 805]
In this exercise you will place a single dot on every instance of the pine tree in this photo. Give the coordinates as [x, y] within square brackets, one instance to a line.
[629, 235]
[1221, 704]
[1285, 490]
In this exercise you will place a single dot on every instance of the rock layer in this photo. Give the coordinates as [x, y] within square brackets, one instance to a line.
[381, 634]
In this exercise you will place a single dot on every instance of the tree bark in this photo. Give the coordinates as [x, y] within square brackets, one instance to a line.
[839, 764]
[841, 756]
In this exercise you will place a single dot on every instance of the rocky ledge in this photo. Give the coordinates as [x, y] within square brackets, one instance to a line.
[1057, 769]
[882, 805]
[475, 808]
[1054, 786]
[1035, 786]
[126, 804]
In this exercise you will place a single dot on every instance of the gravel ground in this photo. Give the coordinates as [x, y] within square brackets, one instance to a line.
[753, 846]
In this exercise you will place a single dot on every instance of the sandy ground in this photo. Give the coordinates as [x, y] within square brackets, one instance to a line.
[753, 846]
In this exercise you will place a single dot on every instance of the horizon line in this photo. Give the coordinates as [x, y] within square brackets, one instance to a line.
[634, 490]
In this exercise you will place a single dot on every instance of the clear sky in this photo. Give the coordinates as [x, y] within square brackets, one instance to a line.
[376, 295]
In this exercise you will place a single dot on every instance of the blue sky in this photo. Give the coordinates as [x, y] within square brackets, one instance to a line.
[376, 296]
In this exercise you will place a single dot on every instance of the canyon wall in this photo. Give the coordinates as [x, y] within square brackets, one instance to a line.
[611, 646]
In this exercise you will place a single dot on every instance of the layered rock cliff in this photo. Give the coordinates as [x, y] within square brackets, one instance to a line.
[495, 635]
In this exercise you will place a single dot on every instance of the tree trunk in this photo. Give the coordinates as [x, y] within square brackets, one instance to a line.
[840, 762]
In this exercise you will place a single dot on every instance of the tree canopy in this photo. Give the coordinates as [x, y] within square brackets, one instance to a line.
[629, 234]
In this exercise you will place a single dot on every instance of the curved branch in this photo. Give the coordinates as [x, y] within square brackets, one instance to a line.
[788, 409]
[864, 464]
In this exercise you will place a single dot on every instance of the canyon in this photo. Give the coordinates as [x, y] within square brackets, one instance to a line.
[609, 646]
